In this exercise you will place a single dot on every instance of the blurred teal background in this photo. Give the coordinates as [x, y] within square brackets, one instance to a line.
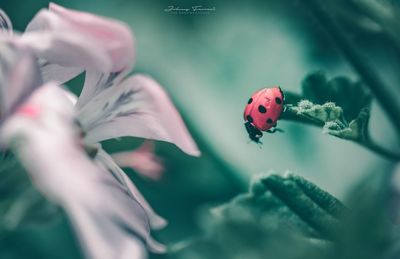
[210, 64]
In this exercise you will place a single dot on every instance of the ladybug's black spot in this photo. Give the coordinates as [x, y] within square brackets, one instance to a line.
[249, 118]
[269, 121]
[250, 101]
[278, 100]
[262, 109]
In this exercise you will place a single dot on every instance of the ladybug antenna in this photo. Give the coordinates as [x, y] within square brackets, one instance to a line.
[283, 94]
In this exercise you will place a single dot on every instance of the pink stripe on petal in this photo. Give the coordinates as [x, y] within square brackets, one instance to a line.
[29, 111]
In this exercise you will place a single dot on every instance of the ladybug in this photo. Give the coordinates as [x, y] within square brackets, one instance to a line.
[262, 112]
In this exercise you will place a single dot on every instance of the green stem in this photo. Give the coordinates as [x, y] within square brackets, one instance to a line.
[387, 99]
[291, 115]
[382, 15]
[373, 146]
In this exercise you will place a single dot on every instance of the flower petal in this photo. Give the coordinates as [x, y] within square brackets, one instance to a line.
[105, 159]
[96, 82]
[102, 46]
[67, 49]
[138, 107]
[5, 23]
[143, 160]
[112, 35]
[109, 222]
[64, 52]
[19, 76]
[115, 37]
[58, 73]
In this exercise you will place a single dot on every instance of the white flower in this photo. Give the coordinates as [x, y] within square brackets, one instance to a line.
[111, 105]
[68, 42]
[42, 130]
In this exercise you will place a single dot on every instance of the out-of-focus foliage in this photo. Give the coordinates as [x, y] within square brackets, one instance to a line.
[278, 212]
[290, 217]
[25, 213]
[20, 203]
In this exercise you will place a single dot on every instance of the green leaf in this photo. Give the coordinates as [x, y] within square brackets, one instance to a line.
[356, 130]
[352, 97]
[291, 218]
[277, 213]
[331, 118]
[339, 106]
[320, 114]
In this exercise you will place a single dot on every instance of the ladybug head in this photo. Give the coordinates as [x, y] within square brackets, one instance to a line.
[254, 133]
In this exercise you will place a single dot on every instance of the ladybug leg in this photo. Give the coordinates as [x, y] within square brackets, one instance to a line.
[254, 133]
[274, 130]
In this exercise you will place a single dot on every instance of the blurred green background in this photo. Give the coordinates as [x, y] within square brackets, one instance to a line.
[210, 64]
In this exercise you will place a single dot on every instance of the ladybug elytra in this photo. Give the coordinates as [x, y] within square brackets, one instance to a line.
[262, 112]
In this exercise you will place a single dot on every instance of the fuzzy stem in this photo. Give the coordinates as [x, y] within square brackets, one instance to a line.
[388, 100]
[291, 115]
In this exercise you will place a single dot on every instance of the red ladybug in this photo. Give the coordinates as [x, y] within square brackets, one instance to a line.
[262, 112]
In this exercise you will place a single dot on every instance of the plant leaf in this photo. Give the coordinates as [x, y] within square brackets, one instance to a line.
[357, 129]
[278, 212]
[352, 97]
[270, 220]
[331, 118]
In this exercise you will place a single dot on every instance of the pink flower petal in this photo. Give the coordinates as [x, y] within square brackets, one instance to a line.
[143, 160]
[67, 49]
[79, 41]
[138, 107]
[108, 221]
[105, 159]
[112, 35]
[58, 73]
[19, 76]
